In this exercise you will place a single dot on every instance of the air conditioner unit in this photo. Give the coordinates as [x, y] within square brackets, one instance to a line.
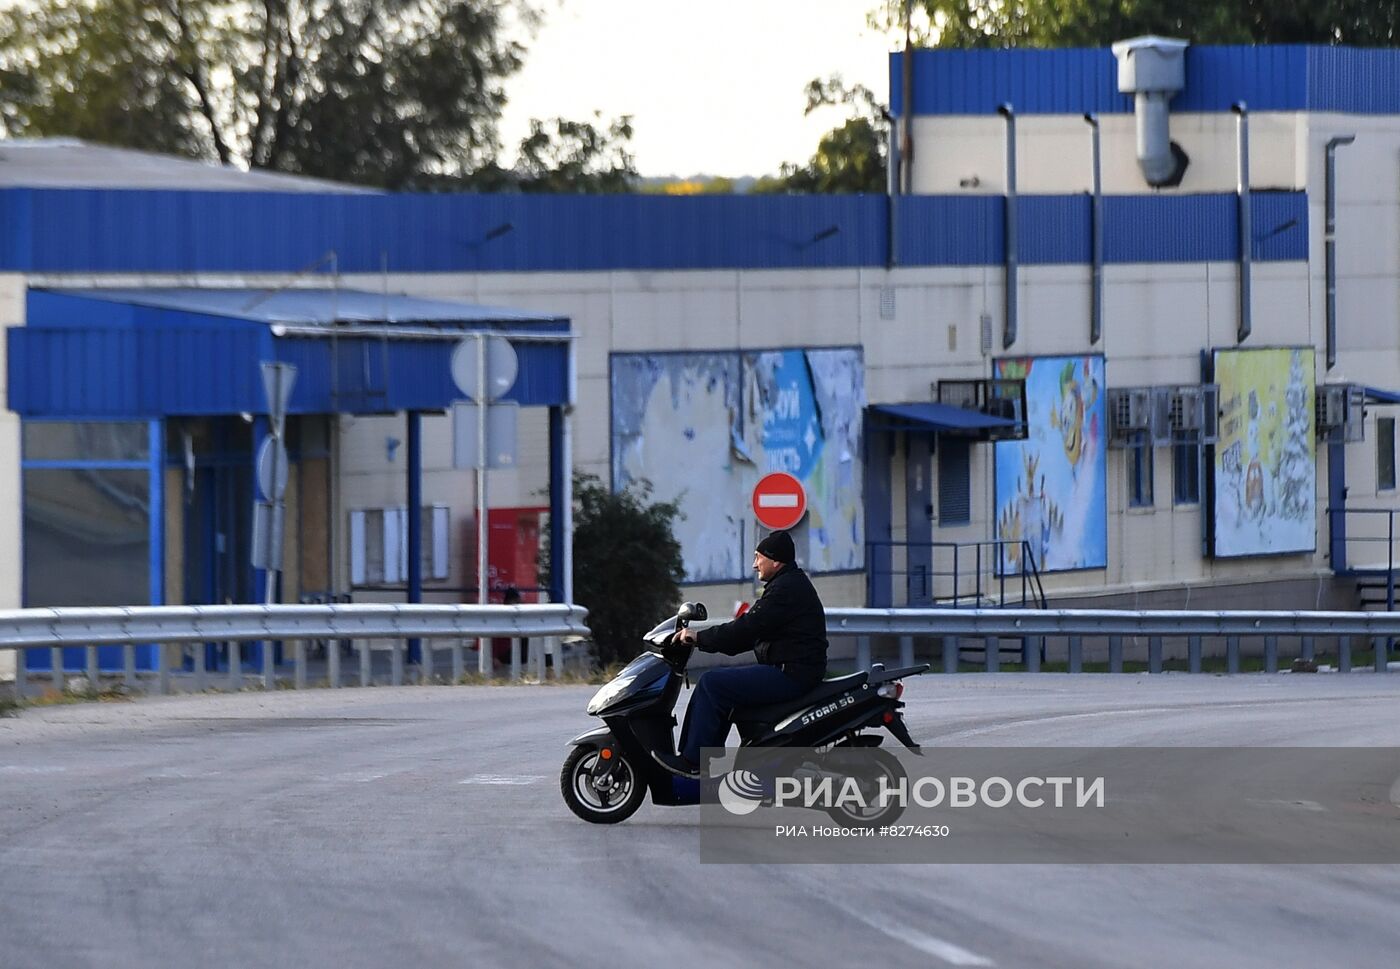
[1190, 413]
[1341, 413]
[1130, 413]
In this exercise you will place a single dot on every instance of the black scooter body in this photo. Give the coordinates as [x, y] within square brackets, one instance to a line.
[637, 709]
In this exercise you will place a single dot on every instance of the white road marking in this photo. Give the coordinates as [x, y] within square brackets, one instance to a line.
[1026, 721]
[512, 780]
[954, 955]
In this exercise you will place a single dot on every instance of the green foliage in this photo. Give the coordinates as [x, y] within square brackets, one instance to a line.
[399, 94]
[850, 158]
[1095, 23]
[567, 157]
[627, 564]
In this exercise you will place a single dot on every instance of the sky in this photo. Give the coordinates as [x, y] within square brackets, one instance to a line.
[713, 86]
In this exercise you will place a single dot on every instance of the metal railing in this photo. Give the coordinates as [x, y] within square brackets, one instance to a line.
[163, 626]
[1363, 540]
[993, 572]
[1065, 635]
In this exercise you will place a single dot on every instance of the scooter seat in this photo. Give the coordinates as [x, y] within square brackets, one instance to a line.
[825, 690]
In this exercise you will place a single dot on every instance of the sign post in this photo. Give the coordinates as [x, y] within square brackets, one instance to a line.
[484, 367]
[272, 471]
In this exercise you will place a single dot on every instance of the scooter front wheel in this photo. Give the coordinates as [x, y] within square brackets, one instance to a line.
[615, 798]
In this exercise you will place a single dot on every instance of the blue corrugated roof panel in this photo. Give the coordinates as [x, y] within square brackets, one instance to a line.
[148, 356]
[943, 230]
[443, 233]
[1075, 80]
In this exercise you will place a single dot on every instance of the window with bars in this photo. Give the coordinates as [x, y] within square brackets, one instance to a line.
[1385, 454]
[1186, 471]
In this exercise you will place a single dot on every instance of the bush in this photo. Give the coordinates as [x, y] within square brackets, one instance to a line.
[627, 564]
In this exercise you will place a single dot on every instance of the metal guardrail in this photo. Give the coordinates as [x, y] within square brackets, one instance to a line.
[1070, 628]
[57, 629]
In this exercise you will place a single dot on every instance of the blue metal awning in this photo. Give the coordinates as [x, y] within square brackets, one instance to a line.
[114, 354]
[938, 418]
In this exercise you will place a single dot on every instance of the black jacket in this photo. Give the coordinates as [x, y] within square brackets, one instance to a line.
[786, 628]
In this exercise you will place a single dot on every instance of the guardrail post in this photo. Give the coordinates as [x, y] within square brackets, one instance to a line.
[1344, 654]
[200, 672]
[235, 665]
[366, 672]
[1076, 654]
[396, 662]
[162, 669]
[540, 653]
[94, 676]
[299, 658]
[1030, 649]
[1232, 654]
[56, 668]
[1115, 654]
[1193, 653]
[1308, 652]
[333, 663]
[425, 660]
[991, 649]
[21, 673]
[1154, 654]
[269, 652]
[862, 653]
[950, 654]
[906, 650]
[1381, 653]
[129, 665]
[458, 667]
[515, 657]
[1270, 654]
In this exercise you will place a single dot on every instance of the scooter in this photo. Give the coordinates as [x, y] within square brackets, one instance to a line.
[610, 769]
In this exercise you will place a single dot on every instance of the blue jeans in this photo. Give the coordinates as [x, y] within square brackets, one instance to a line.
[719, 691]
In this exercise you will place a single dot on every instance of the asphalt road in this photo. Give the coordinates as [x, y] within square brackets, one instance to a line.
[423, 827]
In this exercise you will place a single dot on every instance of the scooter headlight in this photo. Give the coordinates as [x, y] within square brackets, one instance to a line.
[611, 691]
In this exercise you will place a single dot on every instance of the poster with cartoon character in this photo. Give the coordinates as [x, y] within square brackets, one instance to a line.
[701, 428]
[1265, 466]
[1051, 488]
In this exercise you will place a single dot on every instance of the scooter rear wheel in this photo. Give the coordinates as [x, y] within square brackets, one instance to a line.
[618, 802]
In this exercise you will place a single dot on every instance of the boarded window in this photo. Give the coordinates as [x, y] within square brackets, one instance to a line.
[954, 481]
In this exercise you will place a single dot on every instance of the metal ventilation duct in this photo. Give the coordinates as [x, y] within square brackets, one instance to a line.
[1152, 69]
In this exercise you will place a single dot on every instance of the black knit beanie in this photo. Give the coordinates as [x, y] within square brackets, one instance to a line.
[778, 547]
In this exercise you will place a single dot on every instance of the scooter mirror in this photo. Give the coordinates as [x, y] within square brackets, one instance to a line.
[692, 612]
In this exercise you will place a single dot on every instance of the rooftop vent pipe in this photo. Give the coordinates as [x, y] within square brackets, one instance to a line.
[1152, 69]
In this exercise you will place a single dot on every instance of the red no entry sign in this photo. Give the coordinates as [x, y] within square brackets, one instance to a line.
[779, 501]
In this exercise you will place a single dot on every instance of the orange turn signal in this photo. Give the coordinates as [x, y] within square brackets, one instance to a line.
[605, 753]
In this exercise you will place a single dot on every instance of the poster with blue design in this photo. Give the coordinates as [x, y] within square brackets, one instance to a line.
[1051, 488]
[702, 428]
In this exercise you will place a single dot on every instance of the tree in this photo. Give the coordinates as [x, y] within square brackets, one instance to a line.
[393, 93]
[566, 157]
[850, 158]
[1094, 23]
[627, 564]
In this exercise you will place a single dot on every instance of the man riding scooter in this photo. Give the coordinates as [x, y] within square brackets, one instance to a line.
[785, 628]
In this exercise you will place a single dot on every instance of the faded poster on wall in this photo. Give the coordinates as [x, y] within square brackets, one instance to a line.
[702, 428]
[1051, 487]
[1265, 466]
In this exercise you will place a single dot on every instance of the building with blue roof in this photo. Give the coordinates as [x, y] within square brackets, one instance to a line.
[1126, 323]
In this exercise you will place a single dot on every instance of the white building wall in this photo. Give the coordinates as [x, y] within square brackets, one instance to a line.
[12, 313]
[1054, 155]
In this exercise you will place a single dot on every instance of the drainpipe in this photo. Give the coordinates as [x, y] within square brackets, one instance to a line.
[1009, 216]
[1152, 70]
[1330, 244]
[906, 147]
[1096, 235]
[1246, 231]
[892, 176]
